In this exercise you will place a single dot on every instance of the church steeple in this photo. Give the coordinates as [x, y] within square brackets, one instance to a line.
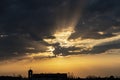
[30, 72]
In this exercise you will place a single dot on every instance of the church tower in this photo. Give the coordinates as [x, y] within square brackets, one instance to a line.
[30, 72]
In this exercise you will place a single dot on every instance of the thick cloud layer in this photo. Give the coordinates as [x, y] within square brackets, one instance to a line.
[32, 17]
[99, 16]
[24, 24]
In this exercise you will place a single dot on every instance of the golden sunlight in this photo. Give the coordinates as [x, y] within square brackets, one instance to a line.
[82, 65]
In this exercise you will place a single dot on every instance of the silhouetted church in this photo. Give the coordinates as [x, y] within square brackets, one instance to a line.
[50, 76]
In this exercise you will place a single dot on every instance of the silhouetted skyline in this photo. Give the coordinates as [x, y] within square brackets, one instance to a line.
[54, 76]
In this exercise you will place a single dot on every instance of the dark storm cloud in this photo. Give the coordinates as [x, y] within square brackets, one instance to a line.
[65, 51]
[27, 16]
[24, 24]
[99, 16]
[100, 19]
[100, 48]
[37, 18]
[19, 46]
[106, 46]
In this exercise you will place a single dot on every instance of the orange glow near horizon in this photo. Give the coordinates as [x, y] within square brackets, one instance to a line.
[82, 65]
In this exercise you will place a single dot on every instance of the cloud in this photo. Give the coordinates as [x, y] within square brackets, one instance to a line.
[25, 23]
[105, 46]
[99, 16]
[32, 17]
[88, 46]
[17, 46]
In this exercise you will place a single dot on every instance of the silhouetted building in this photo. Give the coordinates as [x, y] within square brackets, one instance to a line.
[47, 76]
[30, 73]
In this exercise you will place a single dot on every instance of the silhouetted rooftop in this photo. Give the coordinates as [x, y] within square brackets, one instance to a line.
[52, 75]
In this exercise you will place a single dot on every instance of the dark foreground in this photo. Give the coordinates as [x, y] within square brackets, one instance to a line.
[88, 78]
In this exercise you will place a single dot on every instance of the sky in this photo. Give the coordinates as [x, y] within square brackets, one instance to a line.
[81, 37]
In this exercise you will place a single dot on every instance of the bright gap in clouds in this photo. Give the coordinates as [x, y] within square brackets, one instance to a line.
[62, 38]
